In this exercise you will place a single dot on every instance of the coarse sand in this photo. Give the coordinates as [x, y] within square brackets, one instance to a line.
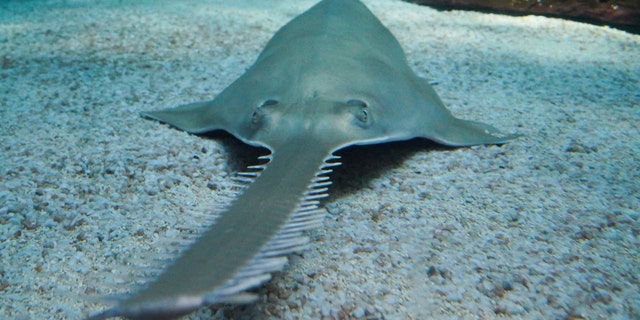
[544, 227]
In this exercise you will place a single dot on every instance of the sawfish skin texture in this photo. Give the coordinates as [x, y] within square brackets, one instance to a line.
[331, 78]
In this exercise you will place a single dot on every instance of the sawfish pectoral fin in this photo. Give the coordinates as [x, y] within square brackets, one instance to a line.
[197, 117]
[460, 133]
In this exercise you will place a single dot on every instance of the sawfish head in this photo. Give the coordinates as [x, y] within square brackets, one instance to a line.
[330, 106]
[334, 121]
[272, 123]
[334, 76]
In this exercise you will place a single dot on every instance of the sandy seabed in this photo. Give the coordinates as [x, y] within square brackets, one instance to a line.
[545, 227]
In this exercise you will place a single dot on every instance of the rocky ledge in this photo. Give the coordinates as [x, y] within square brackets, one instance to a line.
[621, 14]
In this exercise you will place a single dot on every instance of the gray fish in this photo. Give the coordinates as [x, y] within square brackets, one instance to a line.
[332, 77]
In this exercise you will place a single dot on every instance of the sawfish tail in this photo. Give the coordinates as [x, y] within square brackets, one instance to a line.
[249, 241]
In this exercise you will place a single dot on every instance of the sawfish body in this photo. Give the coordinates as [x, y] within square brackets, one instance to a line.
[332, 77]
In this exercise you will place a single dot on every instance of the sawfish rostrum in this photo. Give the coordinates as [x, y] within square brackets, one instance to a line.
[332, 77]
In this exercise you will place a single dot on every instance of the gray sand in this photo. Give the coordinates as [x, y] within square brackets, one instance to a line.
[545, 227]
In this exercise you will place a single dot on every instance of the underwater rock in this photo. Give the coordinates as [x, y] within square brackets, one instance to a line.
[621, 14]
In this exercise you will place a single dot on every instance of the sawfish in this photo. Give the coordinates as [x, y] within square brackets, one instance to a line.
[332, 77]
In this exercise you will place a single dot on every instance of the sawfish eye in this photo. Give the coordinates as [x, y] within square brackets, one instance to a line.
[364, 115]
[256, 117]
[359, 109]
